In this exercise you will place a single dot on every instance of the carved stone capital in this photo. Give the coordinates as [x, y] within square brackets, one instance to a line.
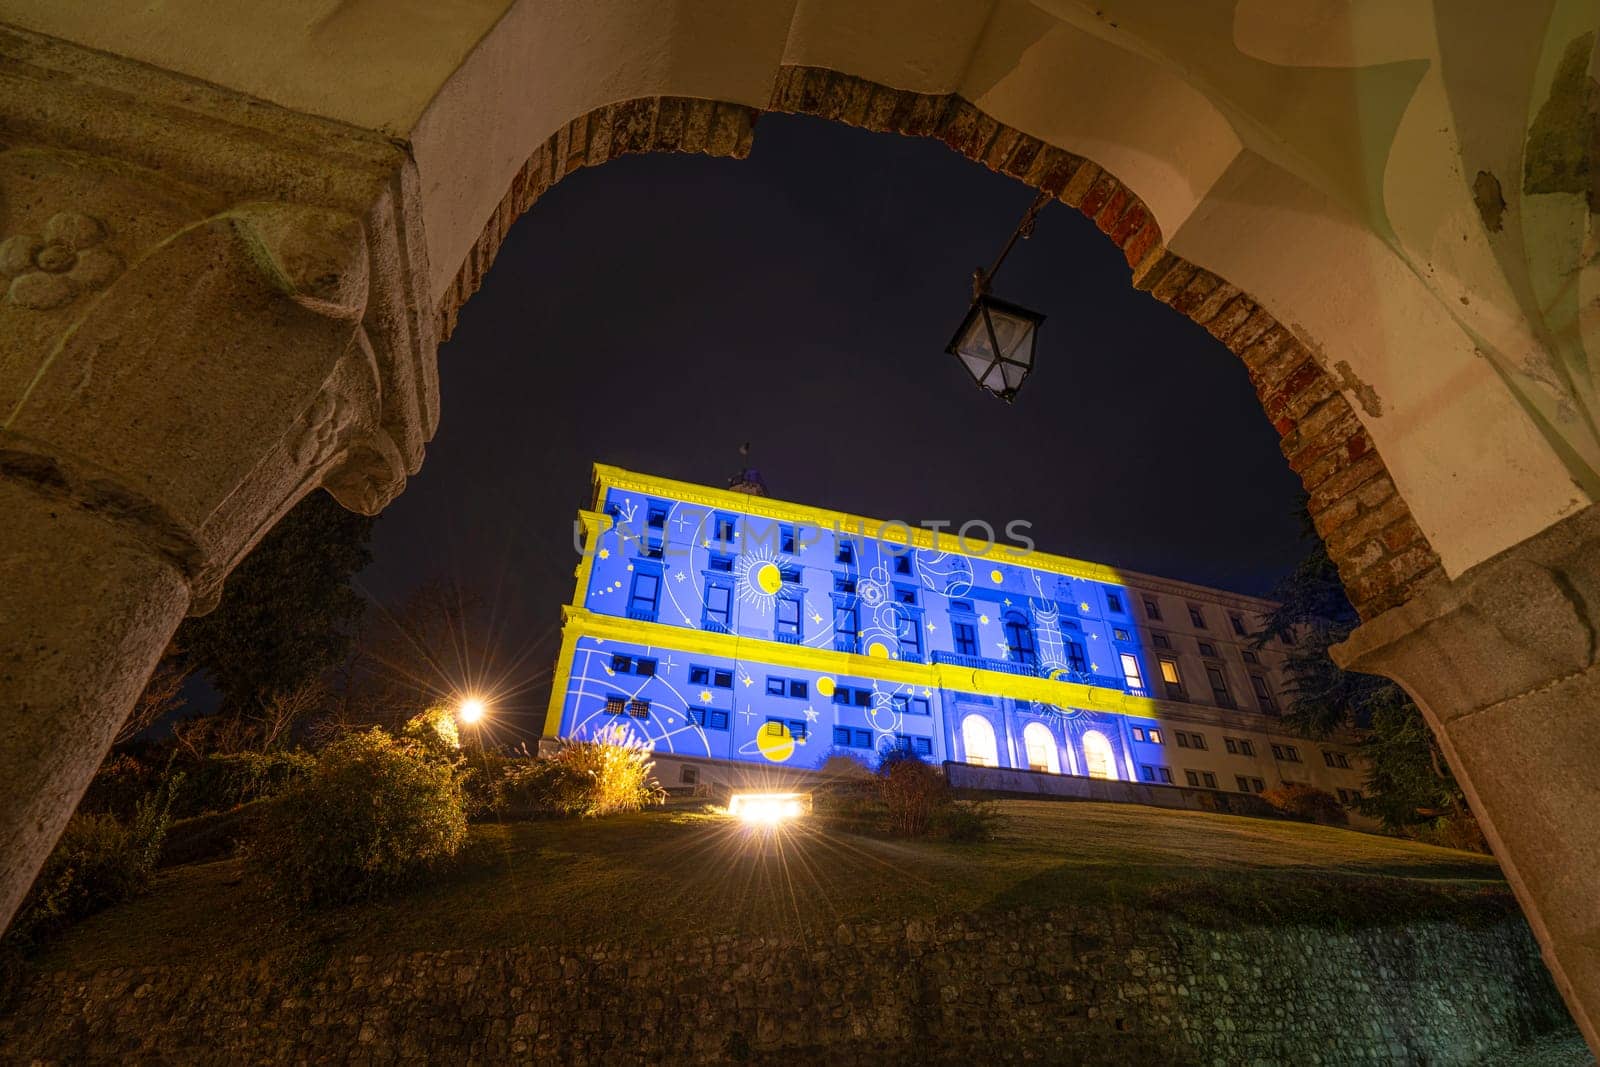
[1514, 623]
[181, 347]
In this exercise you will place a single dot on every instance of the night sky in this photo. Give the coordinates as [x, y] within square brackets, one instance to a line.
[658, 311]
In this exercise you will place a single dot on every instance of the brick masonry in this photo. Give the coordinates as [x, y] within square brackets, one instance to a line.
[1088, 985]
[1383, 556]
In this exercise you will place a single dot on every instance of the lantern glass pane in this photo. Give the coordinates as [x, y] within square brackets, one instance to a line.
[1013, 332]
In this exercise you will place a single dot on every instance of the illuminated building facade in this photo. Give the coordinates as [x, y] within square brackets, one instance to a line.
[725, 627]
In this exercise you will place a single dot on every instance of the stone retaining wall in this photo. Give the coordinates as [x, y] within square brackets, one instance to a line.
[1091, 986]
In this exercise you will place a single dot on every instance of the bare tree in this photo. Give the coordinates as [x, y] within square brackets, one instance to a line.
[162, 696]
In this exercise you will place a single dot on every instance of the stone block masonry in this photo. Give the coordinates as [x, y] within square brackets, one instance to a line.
[1102, 985]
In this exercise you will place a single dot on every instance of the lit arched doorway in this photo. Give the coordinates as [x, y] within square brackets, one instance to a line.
[1098, 759]
[1040, 747]
[977, 741]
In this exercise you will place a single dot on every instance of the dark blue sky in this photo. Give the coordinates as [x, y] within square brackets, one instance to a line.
[660, 310]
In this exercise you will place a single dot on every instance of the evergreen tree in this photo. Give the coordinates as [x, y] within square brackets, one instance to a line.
[288, 611]
[1408, 781]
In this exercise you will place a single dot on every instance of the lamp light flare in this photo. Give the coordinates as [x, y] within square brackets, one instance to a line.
[767, 809]
[472, 710]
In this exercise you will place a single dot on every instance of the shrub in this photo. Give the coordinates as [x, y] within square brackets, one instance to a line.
[435, 732]
[612, 772]
[967, 821]
[843, 765]
[99, 861]
[912, 791]
[375, 812]
[543, 789]
[220, 782]
[1451, 831]
[215, 835]
[1307, 803]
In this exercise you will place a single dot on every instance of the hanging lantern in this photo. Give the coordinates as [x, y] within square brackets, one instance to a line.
[996, 342]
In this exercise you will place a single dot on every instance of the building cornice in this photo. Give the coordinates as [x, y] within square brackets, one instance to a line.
[610, 477]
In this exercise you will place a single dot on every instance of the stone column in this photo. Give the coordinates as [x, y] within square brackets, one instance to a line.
[1503, 662]
[207, 310]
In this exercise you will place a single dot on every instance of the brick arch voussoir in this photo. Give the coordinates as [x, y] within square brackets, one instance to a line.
[1382, 555]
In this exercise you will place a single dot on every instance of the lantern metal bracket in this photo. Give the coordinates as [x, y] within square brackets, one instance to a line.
[982, 278]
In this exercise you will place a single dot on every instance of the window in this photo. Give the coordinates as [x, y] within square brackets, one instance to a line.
[709, 718]
[1219, 687]
[1040, 748]
[965, 637]
[1244, 784]
[639, 709]
[1196, 617]
[1239, 746]
[1238, 625]
[1019, 637]
[616, 705]
[1208, 649]
[651, 548]
[656, 518]
[722, 528]
[845, 552]
[1155, 774]
[1138, 733]
[1231, 745]
[776, 687]
[789, 573]
[909, 625]
[905, 594]
[688, 775]
[1209, 778]
[1336, 759]
[1257, 785]
[1192, 778]
[1197, 741]
[902, 563]
[912, 705]
[1113, 602]
[788, 625]
[1130, 671]
[1287, 753]
[846, 624]
[848, 696]
[1263, 694]
[721, 562]
[1076, 660]
[1159, 639]
[1249, 656]
[643, 595]
[1246, 748]
[711, 676]
[1098, 758]
[718, 613]
[640, 665]
[1172, 679]
[795, 728]
[977, 741]
[844, 583]
[1155, 736]
[1120, 635]
[785, 538]
[1183, 739]
[1152, 610]
[1350, 797]
[1201, 778]
[961, 607]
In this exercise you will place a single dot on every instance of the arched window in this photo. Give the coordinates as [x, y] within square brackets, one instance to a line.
[1019, 636]
[1098, 759]
[977, 739]
[1041, 747]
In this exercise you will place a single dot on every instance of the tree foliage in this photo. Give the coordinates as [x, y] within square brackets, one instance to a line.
[288, 611]
[1408, 781]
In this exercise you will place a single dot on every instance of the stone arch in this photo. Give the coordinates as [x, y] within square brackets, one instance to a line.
[1382, 554]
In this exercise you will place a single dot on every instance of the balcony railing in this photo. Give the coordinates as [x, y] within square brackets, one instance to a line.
[983, 663]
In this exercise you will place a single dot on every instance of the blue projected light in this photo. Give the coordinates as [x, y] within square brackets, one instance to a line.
[769, 584]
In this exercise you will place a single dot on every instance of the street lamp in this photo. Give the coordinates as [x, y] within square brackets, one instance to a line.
[996, 341]
[471, 710]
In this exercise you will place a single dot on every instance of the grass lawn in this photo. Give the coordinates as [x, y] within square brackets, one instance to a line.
[684, 871]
